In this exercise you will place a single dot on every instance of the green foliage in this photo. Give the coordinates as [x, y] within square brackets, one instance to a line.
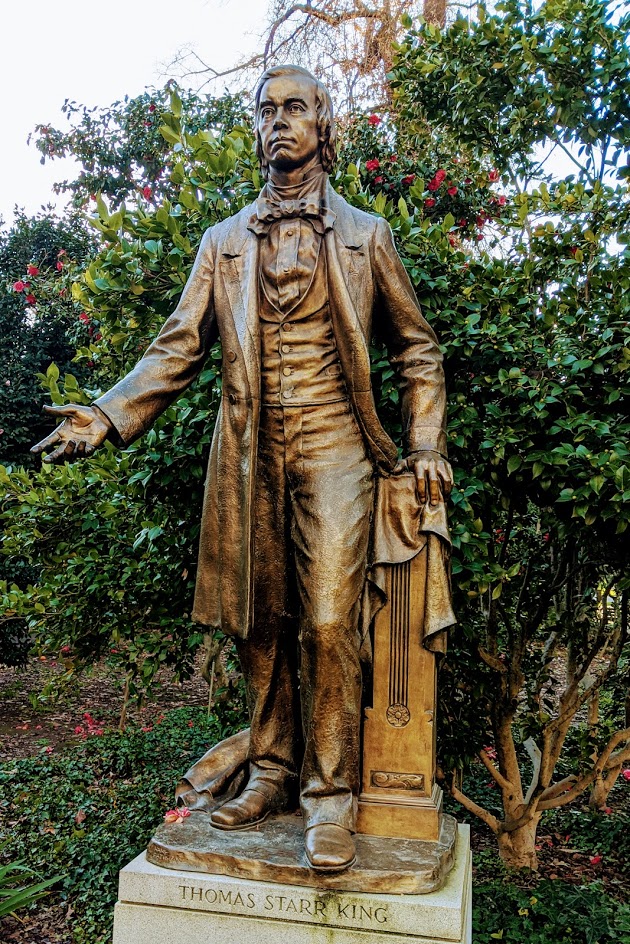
[126, 150]
[14, 894]
[87, 812]
[34, 319]
[551, 911]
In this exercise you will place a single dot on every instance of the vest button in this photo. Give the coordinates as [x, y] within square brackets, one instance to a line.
[286, 349]
[287, 326]
[289, 232]
[231, 356]
[288, 393]
[287, 371]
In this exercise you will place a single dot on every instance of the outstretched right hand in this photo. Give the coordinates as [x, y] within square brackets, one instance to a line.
[83, 430]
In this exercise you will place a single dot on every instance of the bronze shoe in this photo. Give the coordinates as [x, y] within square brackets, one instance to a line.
[329, 848]
[247, 810]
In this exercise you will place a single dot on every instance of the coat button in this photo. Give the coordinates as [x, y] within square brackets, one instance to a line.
[287, 371]
[231, 356]
[287, 326]
[286, 349]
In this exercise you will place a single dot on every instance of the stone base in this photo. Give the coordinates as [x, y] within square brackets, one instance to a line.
[274, 852]
[167, 906]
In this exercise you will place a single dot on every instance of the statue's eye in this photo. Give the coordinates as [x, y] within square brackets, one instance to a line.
[267, 112]
[296, 108]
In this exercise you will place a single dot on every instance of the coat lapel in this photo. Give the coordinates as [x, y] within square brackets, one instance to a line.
[239, 268]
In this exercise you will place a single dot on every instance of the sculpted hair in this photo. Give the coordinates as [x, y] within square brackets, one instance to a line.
[325, 117]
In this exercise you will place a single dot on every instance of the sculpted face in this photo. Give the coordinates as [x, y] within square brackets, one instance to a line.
[287, 122]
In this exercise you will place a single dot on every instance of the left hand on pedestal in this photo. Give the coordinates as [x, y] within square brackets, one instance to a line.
[434, 476]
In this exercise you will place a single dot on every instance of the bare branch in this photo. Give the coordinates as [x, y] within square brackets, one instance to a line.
[494, 772]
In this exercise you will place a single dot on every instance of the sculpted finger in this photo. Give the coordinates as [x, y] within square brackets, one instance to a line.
[49, 440]
[56, 454]
[421, 482]
[446, 475]
[70, 449]
[434, 484]
[57, 410]
[80, 453]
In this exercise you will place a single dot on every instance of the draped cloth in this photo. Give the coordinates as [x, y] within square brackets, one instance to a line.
[401, 529]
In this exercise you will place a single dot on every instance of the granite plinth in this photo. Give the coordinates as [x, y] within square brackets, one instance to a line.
[274, 852]
[169, 906]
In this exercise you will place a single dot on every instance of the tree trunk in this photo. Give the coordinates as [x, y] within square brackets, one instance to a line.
[518, 848]
[602, 787]
[434, 12]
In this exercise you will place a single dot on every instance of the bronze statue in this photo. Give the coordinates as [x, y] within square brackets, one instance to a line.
[294, 285]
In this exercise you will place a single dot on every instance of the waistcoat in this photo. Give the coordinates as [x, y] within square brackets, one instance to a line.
[300, 363]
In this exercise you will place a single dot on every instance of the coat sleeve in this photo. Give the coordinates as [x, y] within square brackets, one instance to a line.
[172, 361]
[412, 346]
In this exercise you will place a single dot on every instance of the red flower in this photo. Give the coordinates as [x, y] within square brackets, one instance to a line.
[607, 810]
[373, 164]
[98, 337]
[572, 250]
[379, 179]
[429, 202]
[147, 193]
[19, 286]
[452, 191]
[451, 239]
[393, 158]
[59, 266]
[65, 650]
[626, 775]
[439, 176]
[432, 185]
[374, 120]
[480, 220]
[409, 179]
[32, 270]
[595, 860]
[502, 200]
[479, 237]
[62, 252]
[31, 299]
[152, 107]
[493, 175]
[468, 180]
[84, 317]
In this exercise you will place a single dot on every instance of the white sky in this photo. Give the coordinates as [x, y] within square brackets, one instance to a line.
[94, 52]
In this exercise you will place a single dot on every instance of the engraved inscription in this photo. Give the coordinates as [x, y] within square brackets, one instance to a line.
[397, 781]
[320, 908]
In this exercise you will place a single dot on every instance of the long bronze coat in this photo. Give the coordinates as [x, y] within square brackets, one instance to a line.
[369, 291]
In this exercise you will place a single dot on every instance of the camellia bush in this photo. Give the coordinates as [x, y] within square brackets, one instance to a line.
[524, 274]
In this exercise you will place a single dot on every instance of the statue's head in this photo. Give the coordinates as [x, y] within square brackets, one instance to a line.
[293, 120]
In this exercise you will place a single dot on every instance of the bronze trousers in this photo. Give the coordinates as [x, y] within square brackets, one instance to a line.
[314, 496]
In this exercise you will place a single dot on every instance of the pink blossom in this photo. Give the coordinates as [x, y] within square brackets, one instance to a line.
[493, 175]
[32, 270]
[374, 120]
[440, 176]
[147, 193]
[626, 775]
[502, 200]
[19, 286]
[177, 816]
[59, 266]
[372, 164]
